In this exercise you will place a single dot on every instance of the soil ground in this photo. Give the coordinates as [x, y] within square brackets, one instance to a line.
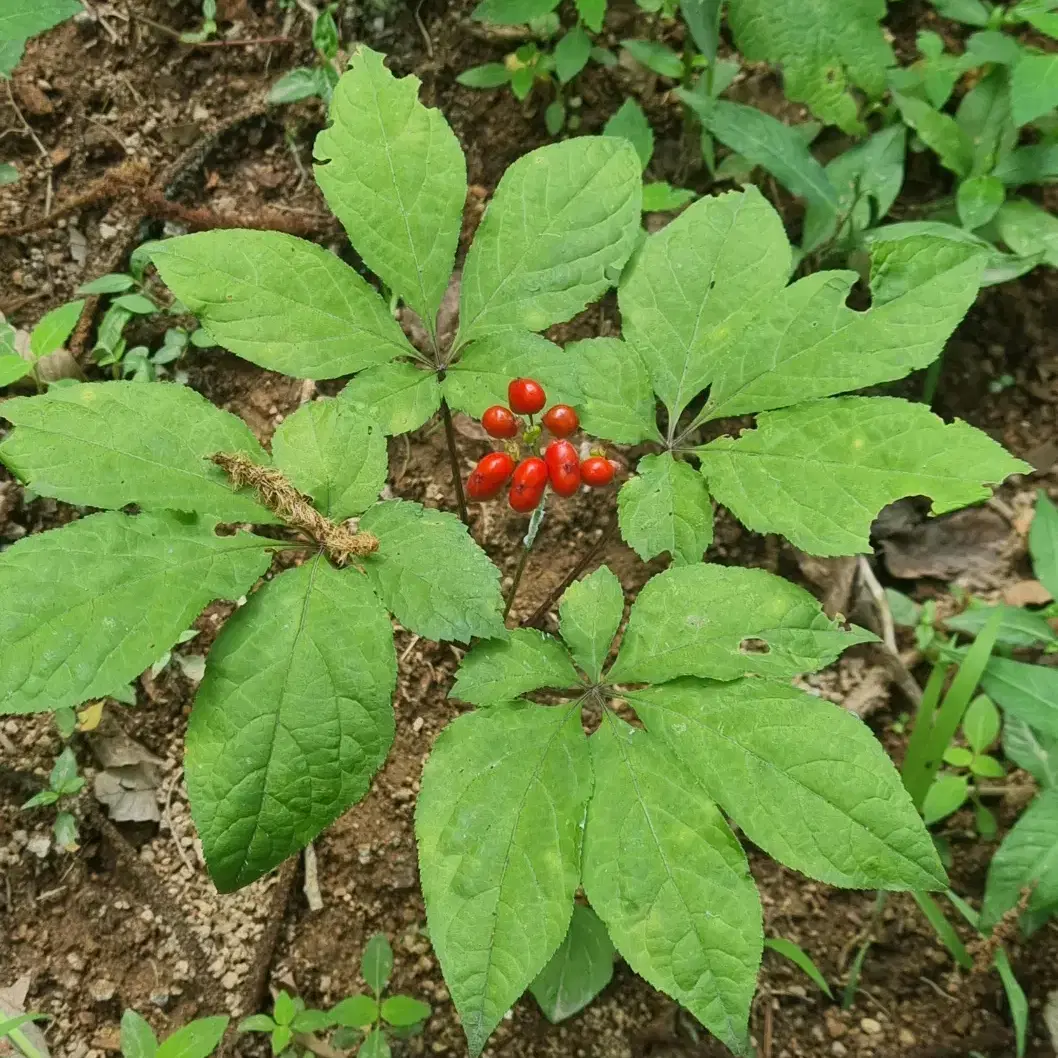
[131, 920]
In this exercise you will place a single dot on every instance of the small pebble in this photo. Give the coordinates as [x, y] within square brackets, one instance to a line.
[870, 1026]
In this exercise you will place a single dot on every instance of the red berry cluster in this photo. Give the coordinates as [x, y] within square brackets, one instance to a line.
[560, 466]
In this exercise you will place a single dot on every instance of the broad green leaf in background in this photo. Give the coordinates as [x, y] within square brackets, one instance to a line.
[488, 75]
[355, 1011]
[12, 368]
[481, 376]
[661, 197]
[149, 444]
[983, 115]
[616, 401]
[723, 622]
[1043, 543]
[1034, 164]
[54, 328]
[665, 507]
[11, 52]
[563, 221]
[431, 575]
[137, 1037]
[1029, 692]
[819, 472]
[655, 56]
[769, 143]
[1036, 753]
[1027, 857]
[335, 453]
[500, 825]
[498, 671]
[664, 872]
[86, 608]
[1027, 229]
[26, 18]
[590, 613]
[111, 283]
[972, 12]
[1033, 87]
[398, 395]
[394, 174]
[806, 342]
[631, 123]
[513, 12]
[376, 964]
[592, 12]
[300, 83]
[978, 200]
[375, 1045]
[947, 794]
[800, 958]
[195, 1040]
[806, 780]
[402, 1011]
[571, 54]
[825, 48]
[695, 282]
[579, 970]
[1018, 628]
[703, 20]
[939, 132]
[867, 179]
[292, 720]
[280, 302]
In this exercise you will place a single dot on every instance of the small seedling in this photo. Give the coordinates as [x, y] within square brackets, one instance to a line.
[63, 782]
[47, 337]
[308, 82]
[197, 1039]
[208, 29]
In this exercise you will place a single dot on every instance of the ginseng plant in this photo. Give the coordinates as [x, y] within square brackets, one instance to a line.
[694, 720]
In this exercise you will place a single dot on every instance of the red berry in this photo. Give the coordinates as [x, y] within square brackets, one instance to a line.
[528, 484]
[489, 476]
[561, 420]
[500, 422]
[596, 472]
[525, 396]
[563, 467]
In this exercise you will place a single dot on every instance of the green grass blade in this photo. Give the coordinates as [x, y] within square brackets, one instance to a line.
[944, 929]
[1019, 1004]
[799, 957]
[914, 769]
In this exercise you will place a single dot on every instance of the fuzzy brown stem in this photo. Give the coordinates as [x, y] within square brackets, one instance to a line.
[295, 508]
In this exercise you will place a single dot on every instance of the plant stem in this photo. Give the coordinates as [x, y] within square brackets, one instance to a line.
[527, 546]
[929, 383]
[544, 608]
[453, 458]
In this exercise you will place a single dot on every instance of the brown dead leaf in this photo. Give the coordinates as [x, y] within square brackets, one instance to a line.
[130, 779]
[1026, 593]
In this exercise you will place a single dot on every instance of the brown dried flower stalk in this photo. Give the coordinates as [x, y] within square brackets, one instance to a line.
[984, 949]
[295, 508]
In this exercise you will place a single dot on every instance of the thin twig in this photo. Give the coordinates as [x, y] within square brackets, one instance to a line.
[545, 607]
[453, 458]
[881, 603]
[36, 139]
[422, 29]
[311, 886]
[168, 815]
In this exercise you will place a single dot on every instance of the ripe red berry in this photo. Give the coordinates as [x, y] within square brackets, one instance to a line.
[526, 396]
[528, 484]
[561, 420]
[500, 422]
[596, 472]
[563, 467]
[489, 476]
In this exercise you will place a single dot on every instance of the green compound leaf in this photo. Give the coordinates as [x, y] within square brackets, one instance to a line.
[825, 48]
[820, 472]
[86, 608]
[26, 18]
[500, 824]
[666, 875]
[394, 174]
[940, 132]
[336, 454]
[292, 720]
[399, 396]
[1033, 87]
[1043, 542]
[1029, 692]
[355, 1012]
[617, 401]
[280, 302]
[403, 1011]
[631, 122]
[806, 780]
[723, 622]
[589, 615]
[580, 969]
[665, 507]
[498, 671]
[695, 283]
[1027, 857]
[765, 141]
[431, 575]
[867, 180]
[376, 964]
[481, 376]
[806, 342]
[107, 444]
[564, 220]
